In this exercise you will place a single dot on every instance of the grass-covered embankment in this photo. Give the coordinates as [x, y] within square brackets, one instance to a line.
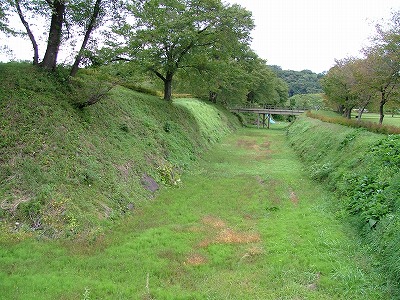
[363, 170]
[247, 223]
[65, 170]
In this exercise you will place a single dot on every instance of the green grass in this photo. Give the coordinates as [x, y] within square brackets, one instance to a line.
[246, 223]
[72, 171]
[387, 120]
[363, 169]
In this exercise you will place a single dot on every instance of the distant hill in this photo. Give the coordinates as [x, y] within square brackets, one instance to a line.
[300, 82]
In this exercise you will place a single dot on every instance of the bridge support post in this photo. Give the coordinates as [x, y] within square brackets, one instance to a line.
[269, 120]
[263, 120]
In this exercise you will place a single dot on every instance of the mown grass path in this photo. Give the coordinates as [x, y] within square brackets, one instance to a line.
[245, 224]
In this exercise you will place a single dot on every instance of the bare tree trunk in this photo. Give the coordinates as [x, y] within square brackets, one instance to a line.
[53, 43]
[250, 97]
[29, 32]
[168, 86]
[89, 30]
[360, 112]
[347, 112]
[212, 96]
[381, 105]
[363, 106]
[381, 114]
[340, 109]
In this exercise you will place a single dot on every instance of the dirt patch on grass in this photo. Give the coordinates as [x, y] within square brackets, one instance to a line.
[247, 144]
[125, 170]
[217, 231]
[253, 251]
[220, 233]
[260, 152]
[195, 259]
[213, 222]
[19, 197]
[230, 236]
[293, 197]
[266, 145]
[260, 180]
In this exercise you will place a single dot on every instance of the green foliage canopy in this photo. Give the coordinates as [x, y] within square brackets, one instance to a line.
[64, 21]
[166, 36]
[4, 14]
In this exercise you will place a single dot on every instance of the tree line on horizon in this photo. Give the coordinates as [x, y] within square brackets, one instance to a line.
[300, 82]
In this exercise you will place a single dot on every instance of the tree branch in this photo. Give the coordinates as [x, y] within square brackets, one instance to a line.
[118, 58]
[90, 28]
[158, 74]
[97, 96]
[30, 34]
[183, 53]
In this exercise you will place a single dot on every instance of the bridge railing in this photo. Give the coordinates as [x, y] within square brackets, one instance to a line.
[273, 110]
[272, 107]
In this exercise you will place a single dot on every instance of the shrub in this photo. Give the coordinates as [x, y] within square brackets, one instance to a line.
[169, 174]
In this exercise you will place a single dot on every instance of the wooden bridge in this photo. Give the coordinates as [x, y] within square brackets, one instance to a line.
[265, 112]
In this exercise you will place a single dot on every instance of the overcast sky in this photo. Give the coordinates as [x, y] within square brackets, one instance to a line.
[310, 34]
[295, 34]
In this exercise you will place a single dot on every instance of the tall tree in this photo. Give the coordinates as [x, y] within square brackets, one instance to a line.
[66, 20]
[338, 84]
[169, 35]
[93, 18]
[235, 81]
[384, 61]
[29, 32]
[57, 8]
[362, 85]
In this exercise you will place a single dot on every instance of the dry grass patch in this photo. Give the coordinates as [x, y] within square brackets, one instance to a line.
[222, 234]
[253, 251]
[230, 236]
[293, 197]
[261, 152]
[213, 222]
[195, 259]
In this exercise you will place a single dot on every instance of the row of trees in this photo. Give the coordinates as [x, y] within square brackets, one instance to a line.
[372, 81]
[203, 43]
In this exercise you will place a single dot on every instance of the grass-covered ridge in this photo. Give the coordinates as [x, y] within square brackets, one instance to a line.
[69, 170]
[363, 170]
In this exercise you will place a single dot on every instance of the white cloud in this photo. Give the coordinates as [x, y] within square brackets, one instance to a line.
[310, 34]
